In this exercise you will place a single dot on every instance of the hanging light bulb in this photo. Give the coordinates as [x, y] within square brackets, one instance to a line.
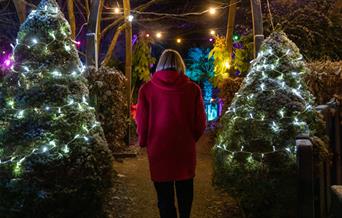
[212, 11]
[159, 35]
[116, 10]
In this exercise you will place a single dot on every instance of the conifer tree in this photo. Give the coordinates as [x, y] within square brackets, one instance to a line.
[54, 160]
[255, 151]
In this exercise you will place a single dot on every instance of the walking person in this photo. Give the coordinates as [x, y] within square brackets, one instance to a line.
[170, 120]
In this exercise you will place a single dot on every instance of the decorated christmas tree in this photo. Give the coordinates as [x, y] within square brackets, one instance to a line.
[255, 150]
[54, 160]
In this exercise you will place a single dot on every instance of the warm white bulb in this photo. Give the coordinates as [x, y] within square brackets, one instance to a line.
[116, 10]
[159, 35]
[212, 11]
[212, 32]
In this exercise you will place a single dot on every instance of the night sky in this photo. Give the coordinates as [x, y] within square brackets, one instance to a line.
[193, 30]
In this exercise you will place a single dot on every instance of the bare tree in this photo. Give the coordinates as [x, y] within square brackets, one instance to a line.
[72, 19]
[20, 6]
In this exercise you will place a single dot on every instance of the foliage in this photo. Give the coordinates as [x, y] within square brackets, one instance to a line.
[54, 160]
[255, 150]
[228, 90]
[107, 87]
[244, 54]
[313, 27]
[324, 80]
[221, 61]
[199, 67]
[142, 61]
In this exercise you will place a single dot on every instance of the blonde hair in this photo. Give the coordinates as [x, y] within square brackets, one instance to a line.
[171, 60]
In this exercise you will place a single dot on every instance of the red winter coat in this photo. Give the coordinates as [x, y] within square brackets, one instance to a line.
[170, 119]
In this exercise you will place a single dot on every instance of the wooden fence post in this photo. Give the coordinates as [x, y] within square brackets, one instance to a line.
[338, 145]
[325, 170]
[305, 177]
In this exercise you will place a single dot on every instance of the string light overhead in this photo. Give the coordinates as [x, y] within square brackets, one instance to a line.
[159, 35]
[212, 11]
[116, 10]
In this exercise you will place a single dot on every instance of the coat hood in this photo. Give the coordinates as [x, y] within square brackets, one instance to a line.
[169, 79]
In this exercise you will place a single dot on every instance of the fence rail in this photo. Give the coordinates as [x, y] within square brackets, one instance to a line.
[314, 193]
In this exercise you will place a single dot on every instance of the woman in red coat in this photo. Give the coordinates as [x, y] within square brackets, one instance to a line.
[170, 120]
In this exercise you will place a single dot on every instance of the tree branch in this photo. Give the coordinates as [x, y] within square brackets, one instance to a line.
[139, 8]
[113, 44]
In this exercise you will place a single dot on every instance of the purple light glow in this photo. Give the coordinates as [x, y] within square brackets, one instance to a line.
[211, 40]
[7, 62]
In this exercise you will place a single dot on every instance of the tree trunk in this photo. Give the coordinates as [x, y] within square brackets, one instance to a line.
[20, 6]
[258, 30]
[92, 32]
[72, 19]
[230, 27]
[112, 45]
[128, 63]
[338, 7]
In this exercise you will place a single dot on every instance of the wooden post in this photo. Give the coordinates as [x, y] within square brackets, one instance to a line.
[336, 210]
[338, 145]
[305, 178]
[230, 27]
[128, 62]
[325, 179]
[258, 30]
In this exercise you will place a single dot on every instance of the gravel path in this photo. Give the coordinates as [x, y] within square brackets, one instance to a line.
[136, 197]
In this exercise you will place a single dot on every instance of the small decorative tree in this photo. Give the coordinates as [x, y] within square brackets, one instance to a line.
[142, 61]
[54, 160]
[222, 61]
[200, 68]
[255, 151]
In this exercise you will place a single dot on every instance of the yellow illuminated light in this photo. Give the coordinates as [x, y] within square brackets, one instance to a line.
[116, 10]
[179, 40]
[212, 11]
[212, 32]
[159, 35]
[227, 65]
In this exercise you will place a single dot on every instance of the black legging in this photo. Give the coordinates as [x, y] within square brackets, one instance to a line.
[166, 198]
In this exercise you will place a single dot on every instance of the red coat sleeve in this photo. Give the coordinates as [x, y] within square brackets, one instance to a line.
[200, 117]
[142, 118]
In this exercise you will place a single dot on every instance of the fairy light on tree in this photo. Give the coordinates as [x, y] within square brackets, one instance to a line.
[44, 105]
[255, 150]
